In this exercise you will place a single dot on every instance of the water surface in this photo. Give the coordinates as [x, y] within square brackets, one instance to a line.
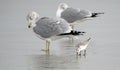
[20, 49]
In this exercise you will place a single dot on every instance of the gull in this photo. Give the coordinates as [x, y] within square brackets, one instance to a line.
[74, 15]
[82, 47]
[47, 28]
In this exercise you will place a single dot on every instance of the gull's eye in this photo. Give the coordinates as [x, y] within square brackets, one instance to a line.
[62, 7]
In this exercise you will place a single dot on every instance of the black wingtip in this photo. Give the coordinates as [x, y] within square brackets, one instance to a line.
[73, 32]
[96, 14]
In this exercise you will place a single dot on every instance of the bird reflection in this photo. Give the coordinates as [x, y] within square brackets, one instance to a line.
[43, 62]
[47, 53]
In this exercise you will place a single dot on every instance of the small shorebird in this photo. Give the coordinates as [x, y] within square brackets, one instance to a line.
[82, 47]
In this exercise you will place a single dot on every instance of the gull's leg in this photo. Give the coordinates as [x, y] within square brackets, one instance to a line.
[47, 52]
[47, 45]
[72, 26]
[71, 39]
[84, 52]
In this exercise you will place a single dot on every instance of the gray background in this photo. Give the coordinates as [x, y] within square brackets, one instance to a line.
[20, 49]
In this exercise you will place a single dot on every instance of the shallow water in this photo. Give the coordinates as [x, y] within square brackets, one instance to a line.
[20, 49]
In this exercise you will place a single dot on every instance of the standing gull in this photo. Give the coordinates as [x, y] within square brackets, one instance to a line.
[48, 29]
[82, 47]
[74, 15]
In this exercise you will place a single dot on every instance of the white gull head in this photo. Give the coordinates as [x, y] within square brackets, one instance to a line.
[61, 8]
[32, 17]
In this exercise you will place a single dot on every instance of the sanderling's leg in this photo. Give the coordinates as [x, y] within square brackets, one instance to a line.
[84, 52]
[80, 53]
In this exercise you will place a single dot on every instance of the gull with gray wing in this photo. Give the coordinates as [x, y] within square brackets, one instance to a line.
[74, 15]
[48, 29]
